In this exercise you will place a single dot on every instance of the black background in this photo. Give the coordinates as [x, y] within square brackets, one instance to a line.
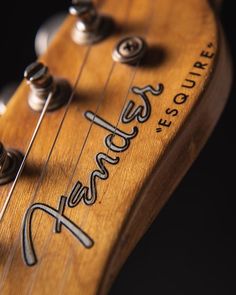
[189, 249]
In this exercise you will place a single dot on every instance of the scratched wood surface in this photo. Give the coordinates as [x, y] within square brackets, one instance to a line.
[187, 55]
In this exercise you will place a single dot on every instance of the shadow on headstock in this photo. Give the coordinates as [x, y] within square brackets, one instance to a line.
[155, 57]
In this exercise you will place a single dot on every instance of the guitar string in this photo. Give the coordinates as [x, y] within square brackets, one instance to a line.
[92, 123]
[39, 123]
[45, 166]
[43, 113]
[80, 155]
[69, 256]
[10, 258]
[77, 163]
[84, 143]
[100, 286]
[100, 4]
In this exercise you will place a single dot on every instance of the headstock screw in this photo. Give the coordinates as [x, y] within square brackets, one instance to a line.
[90, 27]
[42, 83]
[10, 161]
[129, 50]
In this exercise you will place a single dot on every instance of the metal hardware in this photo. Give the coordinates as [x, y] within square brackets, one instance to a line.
[10, 161]
[91, 27]
[129, 50]
[47, 32]
[42, 83]
[5, 96]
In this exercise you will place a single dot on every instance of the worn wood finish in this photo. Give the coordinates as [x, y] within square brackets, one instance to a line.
[177, 32]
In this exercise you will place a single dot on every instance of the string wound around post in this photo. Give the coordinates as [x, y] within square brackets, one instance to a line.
[91, 27]
[10, 161]
[42, 83]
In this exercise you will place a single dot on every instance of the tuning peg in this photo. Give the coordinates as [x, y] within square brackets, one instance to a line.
[10, 161]
[90, 27]
[47, 32]
[5, 96]
[42, 83]
[86, 11]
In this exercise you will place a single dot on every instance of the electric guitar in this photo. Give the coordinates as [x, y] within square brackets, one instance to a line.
[99, 134]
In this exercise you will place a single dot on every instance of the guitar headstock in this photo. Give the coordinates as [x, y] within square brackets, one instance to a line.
[108, 123]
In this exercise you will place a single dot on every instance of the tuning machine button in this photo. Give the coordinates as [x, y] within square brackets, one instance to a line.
[42, 83]
[10, 161]
[47, 32]
[5, 96]
[90, 27]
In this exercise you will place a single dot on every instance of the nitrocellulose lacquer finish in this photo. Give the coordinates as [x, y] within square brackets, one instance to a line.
[159, 130]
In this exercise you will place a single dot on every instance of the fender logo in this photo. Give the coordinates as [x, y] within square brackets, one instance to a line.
[88, 194]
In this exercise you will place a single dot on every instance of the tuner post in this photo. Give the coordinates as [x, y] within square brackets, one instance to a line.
[42, 83]
[10, 161]
[91, 27]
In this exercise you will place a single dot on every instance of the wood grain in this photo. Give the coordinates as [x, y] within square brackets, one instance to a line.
[148, 172]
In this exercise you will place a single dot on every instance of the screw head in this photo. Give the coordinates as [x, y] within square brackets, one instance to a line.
[129, 50]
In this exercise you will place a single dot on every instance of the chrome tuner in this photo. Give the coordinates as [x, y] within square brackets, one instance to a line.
[90, 27]
[10, 161]
[5, 96]
[47, 32]
[42, 84]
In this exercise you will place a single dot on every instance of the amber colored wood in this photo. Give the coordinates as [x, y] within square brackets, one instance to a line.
[177, 33]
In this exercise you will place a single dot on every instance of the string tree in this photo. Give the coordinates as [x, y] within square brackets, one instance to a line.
[42, 83]
[91, 27]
